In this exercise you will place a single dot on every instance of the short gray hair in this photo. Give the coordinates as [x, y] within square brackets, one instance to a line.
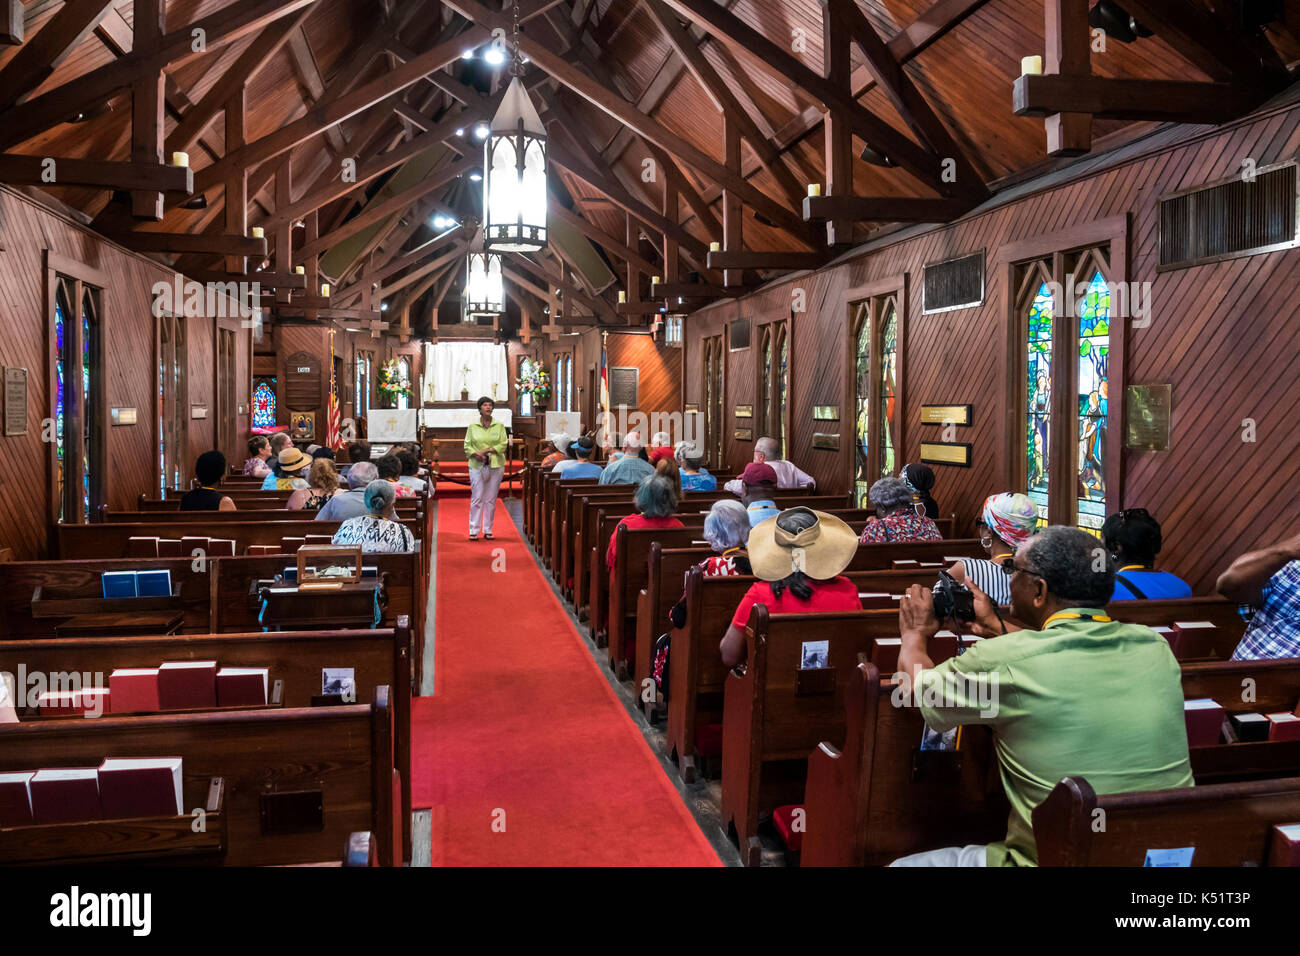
[769, 448]
[1074, 565]
[380, 495]
[727, 525]
[632, 443]
[361, 473]
[656, 497]
[889, 495]
[660, 439]
[690, 453]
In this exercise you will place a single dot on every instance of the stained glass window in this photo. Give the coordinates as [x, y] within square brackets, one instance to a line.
[264, 404]
[568, 384]
[404, 374]
[1038, 398]
[888, 380]
[765, 383]
[60, 366]
[862, 411]
[87, 404]
[525, 398]
[559, 383]
[1094, 354]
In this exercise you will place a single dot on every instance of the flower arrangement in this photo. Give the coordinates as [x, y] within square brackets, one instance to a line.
[391, 381]
[534, 380]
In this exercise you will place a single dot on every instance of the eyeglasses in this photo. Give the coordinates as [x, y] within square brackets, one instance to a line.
[1008, 566]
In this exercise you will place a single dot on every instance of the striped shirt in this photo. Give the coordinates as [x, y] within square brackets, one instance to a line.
[989, 577]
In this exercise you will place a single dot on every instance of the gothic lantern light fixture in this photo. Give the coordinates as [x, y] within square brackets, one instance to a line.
[484, 289]
[514, 170]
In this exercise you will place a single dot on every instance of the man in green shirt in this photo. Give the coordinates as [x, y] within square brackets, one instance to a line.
[1067, 691]
[485, 450]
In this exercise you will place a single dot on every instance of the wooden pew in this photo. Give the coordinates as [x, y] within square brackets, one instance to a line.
[294, 659]
[1229, 824]
[109, 539]
[276, 763]
[696, 673]
[775, 713]
[870, 802]
[1222, 641]
[1262, 687]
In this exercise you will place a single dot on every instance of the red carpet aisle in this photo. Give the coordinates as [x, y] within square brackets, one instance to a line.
[523, 729]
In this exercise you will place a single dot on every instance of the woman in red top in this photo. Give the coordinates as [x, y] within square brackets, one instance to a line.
[656, 500]
[798, 556]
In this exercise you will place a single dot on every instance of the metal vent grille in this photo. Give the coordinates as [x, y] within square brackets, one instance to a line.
[738, 335]
[953, 284]
[1231, 218]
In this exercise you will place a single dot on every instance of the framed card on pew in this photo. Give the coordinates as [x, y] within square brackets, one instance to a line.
[331, 560]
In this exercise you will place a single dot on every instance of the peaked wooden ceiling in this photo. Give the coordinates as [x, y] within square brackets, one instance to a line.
[343, 127]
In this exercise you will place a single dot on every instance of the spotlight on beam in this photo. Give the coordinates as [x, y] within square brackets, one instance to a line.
[1112, 19]
[876, 158]
[494, 56]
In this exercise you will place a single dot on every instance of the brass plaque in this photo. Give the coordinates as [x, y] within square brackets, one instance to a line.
[744, 434]
[825, 440]
[826, 413]
[1149, 407]
[744, 411]
[946, 453]
[198, 411]
[692, 407]
[124, 416]
[945, 414]
[15, 401]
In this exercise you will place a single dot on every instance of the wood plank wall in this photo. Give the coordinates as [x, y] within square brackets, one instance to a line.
[1223, 335]
[27, 230]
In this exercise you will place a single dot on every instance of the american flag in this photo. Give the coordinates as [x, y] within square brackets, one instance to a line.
[333, 436]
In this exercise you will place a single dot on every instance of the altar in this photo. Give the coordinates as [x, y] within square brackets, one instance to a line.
[443, 424]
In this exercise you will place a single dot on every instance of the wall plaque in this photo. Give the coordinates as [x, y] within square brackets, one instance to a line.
[945, 414]
[744, 434]
[623, 386]
[744, 411]
[692, 408]
[826, 440]
[1149, 408]
[946, 453]
[124, 416]
[198, 411]
[15, 401]
[826, 413]
[302, 381]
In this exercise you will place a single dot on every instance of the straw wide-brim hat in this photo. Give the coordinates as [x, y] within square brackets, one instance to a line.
[820, 551]
[293, 459]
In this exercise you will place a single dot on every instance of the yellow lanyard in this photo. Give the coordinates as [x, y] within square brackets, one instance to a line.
[1133, 567]
[1070, 615]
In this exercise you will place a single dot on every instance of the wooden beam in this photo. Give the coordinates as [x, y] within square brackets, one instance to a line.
[11, 22]
[597, 305]
[184, 242]
[19, 170]
[304, 61]
[744, 259]
[879, 134]
[689, 290]
[1214, 47]
[41, 55]
[264, 46]
[902, 92]
[148, 105]
[732, 210]
[1105, 98]
[327, 312]
[268, 280]
[616, 106]
[885, 209]
[838, 139]
[633, 309]
[1068, 51]
[235, 205]
[324, 115]
[457, 251]
[93, 89]
[607, 242]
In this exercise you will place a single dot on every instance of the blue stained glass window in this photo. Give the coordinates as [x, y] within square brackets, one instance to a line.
[1094, 359]
[87, 415]
[60, 334]
[568, 384]
[862, 415]
[1038, 401]
[264, 404]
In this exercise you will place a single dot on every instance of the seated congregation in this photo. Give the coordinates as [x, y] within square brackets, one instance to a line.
[817, 659]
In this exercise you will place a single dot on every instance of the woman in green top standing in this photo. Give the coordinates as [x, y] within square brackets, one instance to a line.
[485, 448]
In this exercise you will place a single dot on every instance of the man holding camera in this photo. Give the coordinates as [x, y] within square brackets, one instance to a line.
[1077, 694]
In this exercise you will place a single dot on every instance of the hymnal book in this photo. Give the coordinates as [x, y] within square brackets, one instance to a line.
[154, 583]
[191, 543]
[134, 690]
[140, 787]
[118, 584]
[261, 549]
[16, 798]
[1283, 726]
[1190, 635]
[1284, 845]
[318, 539]
[170, 548]
[1250, 728]
[73, 703]
[1169, 635]
[884, 654]
[906, 565]
[185, 685]
[1204, 719]
[65, 795]
[369, 571]
[221, 547]
[241, 687]
[141, 546]
[942, 646]
[872, 600]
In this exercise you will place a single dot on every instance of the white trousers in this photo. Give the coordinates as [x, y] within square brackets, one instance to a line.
[949, 856]
[483, 486]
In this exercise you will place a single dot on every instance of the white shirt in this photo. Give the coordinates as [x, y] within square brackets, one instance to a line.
[788, 475]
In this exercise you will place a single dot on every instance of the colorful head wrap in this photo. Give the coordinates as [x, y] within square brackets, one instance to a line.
[1011, 517]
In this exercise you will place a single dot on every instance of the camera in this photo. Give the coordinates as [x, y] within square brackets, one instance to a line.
[953, 600]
